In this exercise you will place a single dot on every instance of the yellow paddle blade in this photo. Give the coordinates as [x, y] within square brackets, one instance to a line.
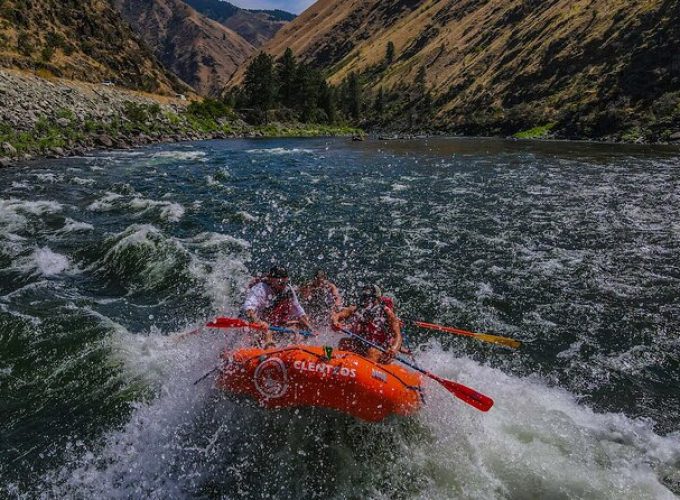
[485, 337]
[495, 339]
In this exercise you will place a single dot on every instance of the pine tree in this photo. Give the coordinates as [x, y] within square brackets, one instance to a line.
[327, 103]
[354, 96]
[260, 83]
[306, 92]
[287, 74]
[379, 105]
[389, 53]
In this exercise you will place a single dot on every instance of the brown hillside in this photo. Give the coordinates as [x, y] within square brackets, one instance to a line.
[505, 63]
[256, 27]
[200, 51]
[83, 40]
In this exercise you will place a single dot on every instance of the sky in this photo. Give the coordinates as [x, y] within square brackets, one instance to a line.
[294, 6]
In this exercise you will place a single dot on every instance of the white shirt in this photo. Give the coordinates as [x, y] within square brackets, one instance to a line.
[261, 297]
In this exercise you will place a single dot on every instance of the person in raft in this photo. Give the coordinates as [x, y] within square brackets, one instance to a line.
[272, 301]
[321, 298]
[374, 320]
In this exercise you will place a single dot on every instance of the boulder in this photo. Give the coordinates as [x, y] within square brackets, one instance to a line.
[105, 140]
[5, 162]
[8, 149]
[675, 137]
[63, 122]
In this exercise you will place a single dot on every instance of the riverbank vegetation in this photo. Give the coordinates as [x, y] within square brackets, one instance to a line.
[138, 124]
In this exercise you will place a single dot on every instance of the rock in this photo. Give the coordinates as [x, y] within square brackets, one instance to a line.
[675, 136]
[105, 140]
[122, 144]
[5, 162]
[8, 149]
[58, 152]
[63, 122]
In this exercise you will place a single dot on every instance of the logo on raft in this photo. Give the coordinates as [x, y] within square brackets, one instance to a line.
[271, 378]
[305, 366]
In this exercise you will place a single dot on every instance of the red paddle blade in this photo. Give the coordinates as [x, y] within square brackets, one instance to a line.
[223, 322]
[466, 394]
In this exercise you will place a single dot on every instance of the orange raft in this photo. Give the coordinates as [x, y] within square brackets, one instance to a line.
[302, 375]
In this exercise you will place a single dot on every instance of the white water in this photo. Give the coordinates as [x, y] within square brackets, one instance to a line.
[537, 441]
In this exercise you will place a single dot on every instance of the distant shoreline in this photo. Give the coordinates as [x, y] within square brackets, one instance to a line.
[58, 118]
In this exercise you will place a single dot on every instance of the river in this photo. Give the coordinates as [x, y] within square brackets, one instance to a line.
[572, 248]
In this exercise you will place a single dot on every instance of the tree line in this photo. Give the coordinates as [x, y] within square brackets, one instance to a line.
[296, 91]
[287, 90]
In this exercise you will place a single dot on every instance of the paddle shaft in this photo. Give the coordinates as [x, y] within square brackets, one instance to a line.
[207, 375]
[226, 322]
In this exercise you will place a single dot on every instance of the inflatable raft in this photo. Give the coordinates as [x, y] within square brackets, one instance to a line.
[302, 375]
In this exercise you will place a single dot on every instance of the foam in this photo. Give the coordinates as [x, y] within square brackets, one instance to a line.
[280, 151]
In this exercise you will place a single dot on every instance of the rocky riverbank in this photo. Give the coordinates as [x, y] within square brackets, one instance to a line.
[54, 118]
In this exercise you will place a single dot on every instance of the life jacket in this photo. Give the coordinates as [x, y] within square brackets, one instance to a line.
[321, 299]
[371, 322]
[279, 312]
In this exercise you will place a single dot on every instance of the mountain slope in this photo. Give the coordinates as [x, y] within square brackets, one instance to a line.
[78, 39]
[199, 50]
[256, 26]
[591, 66]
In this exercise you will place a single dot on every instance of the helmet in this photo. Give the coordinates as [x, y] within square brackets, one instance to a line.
[370, 293]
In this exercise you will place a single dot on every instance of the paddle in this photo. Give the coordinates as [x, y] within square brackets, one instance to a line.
[484, 337]
[465, 394]
[225, 322]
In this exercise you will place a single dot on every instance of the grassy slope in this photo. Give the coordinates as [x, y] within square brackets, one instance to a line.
[594, 67]
[78, 39]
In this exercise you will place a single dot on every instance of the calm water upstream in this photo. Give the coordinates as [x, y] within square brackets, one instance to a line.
[572, 248]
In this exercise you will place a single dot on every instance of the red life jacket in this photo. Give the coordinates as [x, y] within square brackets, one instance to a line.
[279, 313]
[371, 323]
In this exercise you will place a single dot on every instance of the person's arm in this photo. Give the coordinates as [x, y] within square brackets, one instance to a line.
[254, 299]
[337, 318]
[337, 299]
[395, 327]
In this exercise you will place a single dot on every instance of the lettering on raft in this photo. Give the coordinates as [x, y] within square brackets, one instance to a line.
[305, 366]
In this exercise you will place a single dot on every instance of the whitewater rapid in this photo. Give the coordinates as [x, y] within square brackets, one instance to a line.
[105, 260]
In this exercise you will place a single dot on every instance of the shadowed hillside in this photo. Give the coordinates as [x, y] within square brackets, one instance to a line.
[579, 67]
[81, 40]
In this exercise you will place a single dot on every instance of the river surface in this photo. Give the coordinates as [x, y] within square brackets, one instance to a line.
[572, 248]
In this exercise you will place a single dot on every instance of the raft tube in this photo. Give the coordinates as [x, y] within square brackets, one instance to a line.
[317, 376]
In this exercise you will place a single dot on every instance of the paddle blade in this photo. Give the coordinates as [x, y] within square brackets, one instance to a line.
[494, 339]
[465, 394]
[223, 322]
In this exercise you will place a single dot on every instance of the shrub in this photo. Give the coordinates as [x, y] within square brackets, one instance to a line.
[209, 109]
[24, 44]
